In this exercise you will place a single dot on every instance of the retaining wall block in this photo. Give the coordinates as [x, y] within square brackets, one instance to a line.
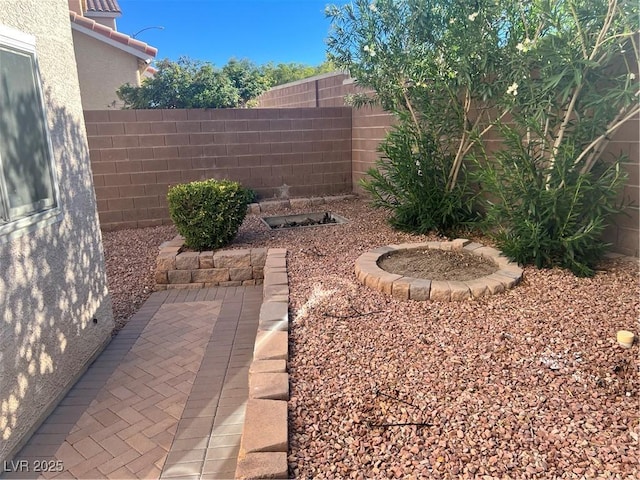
[187, 261]
[400, 288]
[271, 345]
[472, 246]
[267, 366]
[277, 279]
[265, 427]
[261, 465]
[477, 288]
[507, 282]
[258, 257]
[300, 202]
[494, 285]
[459, 290]
[206, 259]
[161, 277]
[179, 276]
[459, 243]
[440, 291]
[274, 312]
[420, 289]
[166, 261]
[258, 272]
[269, 386]
[489, 252]
[232, 258]
[241, 273]
[386, 282]
[210, 275]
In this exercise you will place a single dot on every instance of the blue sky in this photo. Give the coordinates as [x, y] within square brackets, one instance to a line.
[281, 31]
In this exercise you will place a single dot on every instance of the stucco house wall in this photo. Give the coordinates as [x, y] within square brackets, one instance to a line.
[55, 309]
[104, 70]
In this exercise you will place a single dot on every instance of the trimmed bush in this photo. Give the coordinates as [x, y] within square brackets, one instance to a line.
[208, 213]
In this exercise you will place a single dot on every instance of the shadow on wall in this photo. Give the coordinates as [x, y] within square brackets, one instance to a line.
[52, 287]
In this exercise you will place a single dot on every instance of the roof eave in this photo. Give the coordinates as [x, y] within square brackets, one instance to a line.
[93, 13]
[120, 46]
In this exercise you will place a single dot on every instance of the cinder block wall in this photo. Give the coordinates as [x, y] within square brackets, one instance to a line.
[369, 126]
[137, 154]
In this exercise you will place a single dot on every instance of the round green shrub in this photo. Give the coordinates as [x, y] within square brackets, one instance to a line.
[208, 213]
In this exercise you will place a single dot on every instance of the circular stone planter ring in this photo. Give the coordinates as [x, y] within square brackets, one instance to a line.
[370, 274]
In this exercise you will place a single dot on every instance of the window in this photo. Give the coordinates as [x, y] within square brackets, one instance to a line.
[28, 192]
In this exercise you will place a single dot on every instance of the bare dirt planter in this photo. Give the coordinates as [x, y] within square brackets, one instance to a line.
[507, 275]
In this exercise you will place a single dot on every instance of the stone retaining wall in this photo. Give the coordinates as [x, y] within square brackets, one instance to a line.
[370, 274]
[265, 441]
[225, 268]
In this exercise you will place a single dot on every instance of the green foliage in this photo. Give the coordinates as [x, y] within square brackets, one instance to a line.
[290, 72]
[562, 71]
[248, 79]
[572, 85]
[410, 181]
[548, 215]
[208, 213]
[182, 84]
[194, 84]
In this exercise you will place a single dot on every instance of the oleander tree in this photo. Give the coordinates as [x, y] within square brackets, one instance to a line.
[548, 81]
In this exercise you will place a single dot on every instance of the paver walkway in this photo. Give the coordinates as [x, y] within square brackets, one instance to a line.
[165, 399]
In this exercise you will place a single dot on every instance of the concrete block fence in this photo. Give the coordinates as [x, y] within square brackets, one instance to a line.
[280, 153]
[302, 142]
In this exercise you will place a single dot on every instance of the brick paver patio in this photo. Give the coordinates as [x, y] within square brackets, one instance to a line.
[166, 398]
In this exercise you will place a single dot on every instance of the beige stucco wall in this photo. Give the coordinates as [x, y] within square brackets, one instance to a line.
[52, 281]
[102, 69]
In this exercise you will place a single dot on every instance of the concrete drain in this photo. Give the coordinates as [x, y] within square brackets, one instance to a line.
[315, 219]
[507, 275]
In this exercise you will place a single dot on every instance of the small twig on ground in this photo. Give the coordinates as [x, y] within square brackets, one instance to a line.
[387, 425]
[378, 392]
[354, 315]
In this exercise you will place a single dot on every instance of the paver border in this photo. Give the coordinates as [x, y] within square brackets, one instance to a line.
[265, 443]
[508, 275]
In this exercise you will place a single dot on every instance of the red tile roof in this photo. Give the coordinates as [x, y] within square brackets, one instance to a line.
[109, 33]
[105, 6]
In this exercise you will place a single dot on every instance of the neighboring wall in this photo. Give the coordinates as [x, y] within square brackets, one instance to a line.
[369, 126]
[52, 280]
[104, 70]
[137, 154]
[624, 234]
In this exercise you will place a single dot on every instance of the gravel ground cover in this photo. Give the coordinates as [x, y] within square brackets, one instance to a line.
[526, 384]
[130, 258]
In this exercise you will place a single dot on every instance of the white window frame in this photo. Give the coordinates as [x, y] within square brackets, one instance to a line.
[25, 43]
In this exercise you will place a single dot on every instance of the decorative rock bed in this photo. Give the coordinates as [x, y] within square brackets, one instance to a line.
[225, 268]
[370, 274]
